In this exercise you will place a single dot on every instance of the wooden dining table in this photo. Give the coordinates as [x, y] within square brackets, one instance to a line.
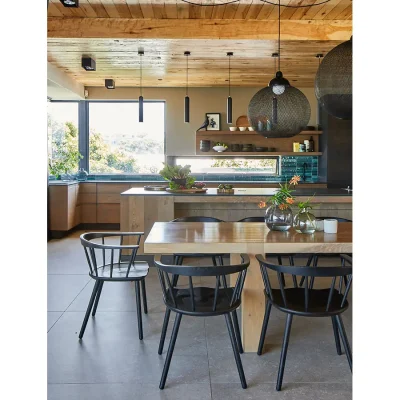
[235, 238]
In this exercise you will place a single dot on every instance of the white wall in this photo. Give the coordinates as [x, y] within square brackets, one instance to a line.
[180, 137]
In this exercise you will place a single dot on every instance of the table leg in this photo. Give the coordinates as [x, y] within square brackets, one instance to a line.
[253, 301]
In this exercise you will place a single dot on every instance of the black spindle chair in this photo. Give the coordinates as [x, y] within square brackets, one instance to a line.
[307, 302]
[106, 265]
[201, 302]
[279, 256]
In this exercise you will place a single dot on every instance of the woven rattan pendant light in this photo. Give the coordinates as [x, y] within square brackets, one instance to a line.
[279, 110]
[333, 82]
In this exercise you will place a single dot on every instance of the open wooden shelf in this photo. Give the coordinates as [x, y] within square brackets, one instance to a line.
[248, 133]
[213, 153]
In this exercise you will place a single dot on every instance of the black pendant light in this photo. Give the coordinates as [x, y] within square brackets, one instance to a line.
[229, 100]
[333, 82]
[141, 53]
[279, 110]
[187, 99]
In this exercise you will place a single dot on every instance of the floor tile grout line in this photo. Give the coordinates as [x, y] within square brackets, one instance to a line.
[208, 360]
[69, 305]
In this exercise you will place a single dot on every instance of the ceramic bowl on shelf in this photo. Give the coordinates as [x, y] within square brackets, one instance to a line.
[242, 128]
[233, 128]
[219, 149]
[251, 129]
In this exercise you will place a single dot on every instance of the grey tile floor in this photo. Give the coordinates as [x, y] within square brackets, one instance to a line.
[112, 363]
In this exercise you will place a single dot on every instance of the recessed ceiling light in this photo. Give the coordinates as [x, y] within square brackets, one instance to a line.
[88, 64]
[70, 3]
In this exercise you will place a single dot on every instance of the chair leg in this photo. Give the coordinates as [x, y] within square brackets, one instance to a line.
[90, 306]
[139, 310]
[345, 341]
[315, 264]
[214, 260]
[221, 260]
[164, 330]
[336, 334]
[283, 276]
[291, 262]
[268, 307]
[285, 345]
[144, 295]
[237, 331]
[170, 350]
[96, 302]
[235, 351]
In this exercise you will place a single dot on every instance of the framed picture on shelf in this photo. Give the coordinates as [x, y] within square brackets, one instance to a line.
[214, 120]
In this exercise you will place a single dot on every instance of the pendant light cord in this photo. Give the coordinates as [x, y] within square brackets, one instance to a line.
[279, 35]
[187, 74]
[229, 73]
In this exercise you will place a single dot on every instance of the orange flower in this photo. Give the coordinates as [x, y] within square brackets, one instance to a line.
[283, 206]
[295, 180]
[262, 204]
[289, 200]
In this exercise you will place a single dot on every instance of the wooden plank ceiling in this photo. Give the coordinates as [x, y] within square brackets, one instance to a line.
[163, 29]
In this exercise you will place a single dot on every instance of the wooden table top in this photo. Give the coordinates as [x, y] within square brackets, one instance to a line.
[242, 237]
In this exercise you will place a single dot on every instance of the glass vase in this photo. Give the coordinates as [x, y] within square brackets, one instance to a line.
[304, 222]
[82, 175]
[277, 219]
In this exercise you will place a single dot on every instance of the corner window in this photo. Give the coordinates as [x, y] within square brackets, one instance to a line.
[119, 144]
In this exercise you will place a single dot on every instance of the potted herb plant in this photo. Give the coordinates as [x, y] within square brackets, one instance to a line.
[179, 177]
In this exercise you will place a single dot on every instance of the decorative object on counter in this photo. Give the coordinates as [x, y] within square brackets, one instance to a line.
[199, 185]
[205, 145]
[205, 124]
[179, 177]
[229, 100]
[296, 147]
[187, 99]
[82, 175]
[330, 225]
[319, 225]
[311, 144]
[233, 128]
[304, 221]
[242, 128]
[189, 190]
[333, 82]
[215, 121]
[220, 147]
[302, 148]
[247, 147]
[242, 121]
[141, 53]
[307, 145]
[251, 129]
[156, 188]
[236, 147]
[286, 107]
[225, 189]
[279, 216]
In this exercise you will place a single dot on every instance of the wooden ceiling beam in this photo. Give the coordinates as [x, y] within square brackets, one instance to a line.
[126, 28]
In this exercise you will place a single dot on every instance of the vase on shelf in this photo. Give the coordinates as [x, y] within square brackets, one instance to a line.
[278, 219]
[81, 175]
[304, 222]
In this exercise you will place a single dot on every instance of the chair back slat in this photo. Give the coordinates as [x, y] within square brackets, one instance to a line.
[108, 245]
[326, 298]
[218, 298]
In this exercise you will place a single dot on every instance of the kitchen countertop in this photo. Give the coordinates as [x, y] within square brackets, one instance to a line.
[56, 182]
[242, 192]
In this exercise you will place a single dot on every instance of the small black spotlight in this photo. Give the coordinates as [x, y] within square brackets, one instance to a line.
[89, 64]
[110, 84]
[70, 3]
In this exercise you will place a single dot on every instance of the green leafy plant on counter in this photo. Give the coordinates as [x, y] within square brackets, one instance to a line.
[221, 144]
[179, 177]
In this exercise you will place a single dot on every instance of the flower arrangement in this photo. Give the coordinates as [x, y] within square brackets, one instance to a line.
[283, 198]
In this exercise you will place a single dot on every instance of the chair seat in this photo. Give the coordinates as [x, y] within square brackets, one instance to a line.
[318, 298]
[203, 300]
[139, 270]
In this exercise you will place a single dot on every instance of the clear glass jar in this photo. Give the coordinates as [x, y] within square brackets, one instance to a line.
[82, 175]
[304, 222]
[277, 219]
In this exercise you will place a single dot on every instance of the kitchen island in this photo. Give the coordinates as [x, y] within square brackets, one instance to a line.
[140, 209]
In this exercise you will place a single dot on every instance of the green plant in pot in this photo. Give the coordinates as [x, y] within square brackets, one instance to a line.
[178, 176]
